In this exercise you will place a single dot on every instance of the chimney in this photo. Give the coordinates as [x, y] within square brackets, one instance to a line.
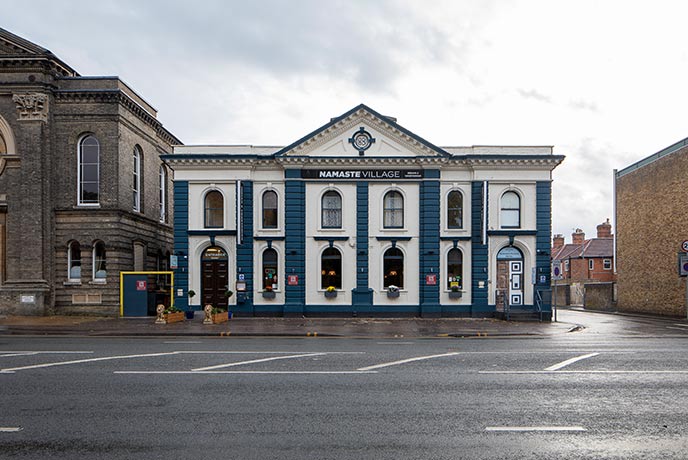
[604, 230]
[557, 241]
[578, 237]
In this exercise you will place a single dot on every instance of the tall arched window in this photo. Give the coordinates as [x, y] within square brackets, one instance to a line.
[455, 209]
[270, 270]
[3, 145]
[331, 268]
[454, 269]
[270, 209]
[393, 267]
[510, 210]
[162, 194]
[214, 210]
[332, 210]
[394, 210]
[89, 171]
[74, 261]
[136, 182]
[99, 259]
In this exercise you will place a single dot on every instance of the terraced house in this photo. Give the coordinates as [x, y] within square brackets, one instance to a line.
[364, 217]
[83, 191]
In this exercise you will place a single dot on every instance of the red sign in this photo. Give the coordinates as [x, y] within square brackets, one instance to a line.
[293, 280]
[141, 285]
[431, 279]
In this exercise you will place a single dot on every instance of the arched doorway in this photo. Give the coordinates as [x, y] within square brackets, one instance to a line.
[214, 277]
[509, 278]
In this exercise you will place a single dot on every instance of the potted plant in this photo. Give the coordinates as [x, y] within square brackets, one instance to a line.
[331, 292]
[455, 292]
[167, 315]
[268, 293]
[392, 291]
[229, 293]
[189, 311]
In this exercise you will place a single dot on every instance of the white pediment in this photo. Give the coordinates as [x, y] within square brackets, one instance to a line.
[386, 139]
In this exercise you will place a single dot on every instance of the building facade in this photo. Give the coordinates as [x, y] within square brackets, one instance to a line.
[83, 191]
[363, 217]
[651, 225]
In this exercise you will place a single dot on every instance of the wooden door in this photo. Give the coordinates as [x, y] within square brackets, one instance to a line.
[502, 284]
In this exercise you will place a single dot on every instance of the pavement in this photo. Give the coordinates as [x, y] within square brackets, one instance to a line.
[282, 327]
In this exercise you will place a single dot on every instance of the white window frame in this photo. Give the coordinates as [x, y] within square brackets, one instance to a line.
[591, 264]
[69, 263]
[136, 186]
[93, 263]
[519, 210]
[607, 264]
[163, 193]
[79, 179]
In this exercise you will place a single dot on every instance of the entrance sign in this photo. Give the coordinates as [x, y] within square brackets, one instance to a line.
[362, 174]
[431, 279]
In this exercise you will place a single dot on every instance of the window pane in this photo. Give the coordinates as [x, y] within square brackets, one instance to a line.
[393, 210]
[455, 210]
[454, 269]
[75, 261]
[89, 192]
[269, 209]
[510, 200]
[269, 270]
[332, 210]
[393, 267]
[99, 270]
[214, 210]
[331, 269]
[89, 173]
[510, 218]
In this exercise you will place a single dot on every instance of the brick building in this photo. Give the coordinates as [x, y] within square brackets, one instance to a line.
[83, 192]
[652, 223]
[585, 261]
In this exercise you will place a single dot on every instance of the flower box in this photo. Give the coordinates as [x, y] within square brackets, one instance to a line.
[392, 294]
[175, 317]
[221, 317]
[455, 294]
[330, 294]
[269, 294]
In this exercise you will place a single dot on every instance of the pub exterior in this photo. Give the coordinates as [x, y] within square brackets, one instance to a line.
[362, 217]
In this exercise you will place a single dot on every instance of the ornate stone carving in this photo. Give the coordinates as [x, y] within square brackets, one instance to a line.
[32, 106]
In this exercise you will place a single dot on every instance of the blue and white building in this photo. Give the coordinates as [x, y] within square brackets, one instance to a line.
[363, 217]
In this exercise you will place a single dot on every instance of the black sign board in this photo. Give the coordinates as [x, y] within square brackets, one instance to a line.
[362, 174]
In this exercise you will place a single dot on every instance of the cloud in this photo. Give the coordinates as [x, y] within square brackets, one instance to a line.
[535, 95]
[582, 104]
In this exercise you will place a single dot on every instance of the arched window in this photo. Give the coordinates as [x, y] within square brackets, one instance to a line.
[270, 209]
[214, 210]
[454, 269]
[510, 210]
[89, 171]
[3, 145]
[74, 261]
[394, 210]
[270, 270]
[162, 195]
[332, 210]
[99, 259]
[455, 209]
[393, 267]
[331, 268]
[136, 183]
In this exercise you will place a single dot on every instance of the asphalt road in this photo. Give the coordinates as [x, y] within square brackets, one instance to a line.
[617, 389]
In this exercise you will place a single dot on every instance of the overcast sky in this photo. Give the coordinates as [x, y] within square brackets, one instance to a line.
[604, 82]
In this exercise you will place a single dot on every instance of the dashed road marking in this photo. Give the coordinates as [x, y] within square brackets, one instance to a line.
[10, 429]
[254, 361]
[404, 361]
[649, 372]
[534, 428]
[563, 364]
[244, 372]
[80, 361]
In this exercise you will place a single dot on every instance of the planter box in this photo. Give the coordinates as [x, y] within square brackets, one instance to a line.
[392, 294]
[330, 295]
[220, 317]
[269, 294]
[174, 317]
[455, 294]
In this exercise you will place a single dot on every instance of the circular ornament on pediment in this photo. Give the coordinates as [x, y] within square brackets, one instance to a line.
[361, 140]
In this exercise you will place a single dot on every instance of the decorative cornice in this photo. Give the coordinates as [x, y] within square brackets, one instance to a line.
[31, 106]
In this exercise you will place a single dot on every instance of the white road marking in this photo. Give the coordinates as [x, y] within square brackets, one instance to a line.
[18, 354]
[181, 341]
[677, 328]
[563, 364]
[42, 352]
[535, 428]
[583, 372]
[253, 361]
[404, 361]
[79, 361]
[681, 325]
[243, 372]
[395, 343]
[10, 429]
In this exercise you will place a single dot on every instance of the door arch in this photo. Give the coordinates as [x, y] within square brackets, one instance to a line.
[510, 278]
[214, 276]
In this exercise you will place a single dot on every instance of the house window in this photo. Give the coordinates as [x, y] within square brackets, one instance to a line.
[332, 210]
[511, 210]
[455, 209]
[136, 182]
[269, 270]
[74, 261]
[591, 264]
[331, 268]
[393, 204]
[393, 268]
[214, 210]
[270, 209]
[454, 269]
[99, 259]
[163, 194]
[89, 171]
[566, 265]
[607, 264]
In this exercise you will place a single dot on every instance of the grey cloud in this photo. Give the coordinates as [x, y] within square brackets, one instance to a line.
[535, 95]
[582, 104]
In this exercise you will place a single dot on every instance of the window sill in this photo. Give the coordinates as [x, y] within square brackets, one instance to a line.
[97, 282]
[72, 283]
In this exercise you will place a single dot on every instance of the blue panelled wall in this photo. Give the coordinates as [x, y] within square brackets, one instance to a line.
[181, 245]
[479, 259]
[295, 243]
[244, 249]
[430, 244]
[543, 238]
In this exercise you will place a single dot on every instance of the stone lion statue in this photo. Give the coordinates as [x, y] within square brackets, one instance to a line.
[208, 310]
